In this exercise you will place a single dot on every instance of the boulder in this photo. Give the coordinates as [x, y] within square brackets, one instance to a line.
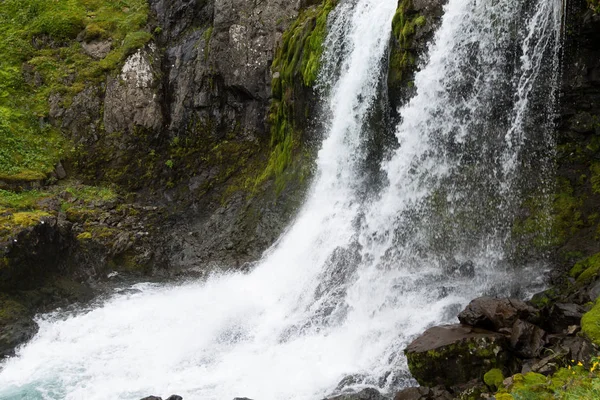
[423, 393]
[495, 314]
[577, 348]
[451, 355]
[365, 394]
[527, 340]
[562, 316]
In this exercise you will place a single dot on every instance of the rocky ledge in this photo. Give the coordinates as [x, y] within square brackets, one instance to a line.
[499, 338]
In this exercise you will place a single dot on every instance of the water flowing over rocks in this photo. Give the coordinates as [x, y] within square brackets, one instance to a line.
[182, 127]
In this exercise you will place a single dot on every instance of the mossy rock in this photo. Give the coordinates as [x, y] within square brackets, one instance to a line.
[455, 354]
[493, 378]
[590, 324]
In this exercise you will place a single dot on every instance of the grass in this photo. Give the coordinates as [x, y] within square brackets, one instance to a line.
[40, 57]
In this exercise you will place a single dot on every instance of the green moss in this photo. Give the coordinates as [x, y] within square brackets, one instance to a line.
[26, 200]
[404, 25]
[84, 236]
[575, 382]
[493, 378]
[549, 225]
[545, 298]
[90, 193]
[295, 65]
[40, 58]
[587, 269]
[590, 324]
[10, 310]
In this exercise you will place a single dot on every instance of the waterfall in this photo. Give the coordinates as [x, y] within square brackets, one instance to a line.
[362, 270]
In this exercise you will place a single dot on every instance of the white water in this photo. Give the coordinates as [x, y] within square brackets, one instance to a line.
[356, 276]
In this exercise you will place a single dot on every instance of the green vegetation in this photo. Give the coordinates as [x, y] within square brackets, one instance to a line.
[586, 269]
[594, 5]
[493, 378]
[295, 66]
[28, 208]
[575, 382]
[404, 25]
[590, 324]
[40, 58]
[549, 225]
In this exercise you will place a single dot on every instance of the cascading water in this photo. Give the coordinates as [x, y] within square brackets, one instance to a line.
[359, 273]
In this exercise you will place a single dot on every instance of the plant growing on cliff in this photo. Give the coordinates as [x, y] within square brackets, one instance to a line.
[295, 66]
[404, 25]
[41, 58]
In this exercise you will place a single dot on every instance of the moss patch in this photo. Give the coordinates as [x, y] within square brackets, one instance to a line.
[296, 65]
[590, 323]
[24, 209]
[493, 378]
[575, 382]
[402, 58]
[549, 225]
[40, 57]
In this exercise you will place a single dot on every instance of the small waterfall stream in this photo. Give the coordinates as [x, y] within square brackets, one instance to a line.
[360, 272]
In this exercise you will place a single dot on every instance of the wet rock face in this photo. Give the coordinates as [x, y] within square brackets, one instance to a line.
[221, 72]
[454, 354]
[16, 326]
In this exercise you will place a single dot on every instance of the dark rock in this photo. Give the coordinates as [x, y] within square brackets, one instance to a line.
[467, 269]
[454, 354]
[495, 314]
[412, 393]
[349, 381]
[594, 291]
[16, 326]
[174, 397]
[242, 398]
[152, 398]
[423, 393]
[60, 172]
[547, 365]
[562, 316]
[365, 394]
[577, 348]
[527, 340]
